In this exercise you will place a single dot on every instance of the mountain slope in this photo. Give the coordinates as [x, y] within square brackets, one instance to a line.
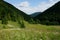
[10, 13]
[51, 15]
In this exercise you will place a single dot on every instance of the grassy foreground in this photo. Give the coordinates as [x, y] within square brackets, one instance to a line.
[23, 34]
[31, 32]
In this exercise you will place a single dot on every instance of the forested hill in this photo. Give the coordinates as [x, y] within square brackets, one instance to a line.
[51, 15]
[10, 13]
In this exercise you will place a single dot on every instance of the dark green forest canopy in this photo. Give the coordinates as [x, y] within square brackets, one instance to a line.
[1, 0]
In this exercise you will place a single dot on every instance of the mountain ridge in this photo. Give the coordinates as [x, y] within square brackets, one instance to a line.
[51, 15]
[10, 13]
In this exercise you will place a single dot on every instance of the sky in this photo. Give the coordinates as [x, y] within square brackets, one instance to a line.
[32, 6]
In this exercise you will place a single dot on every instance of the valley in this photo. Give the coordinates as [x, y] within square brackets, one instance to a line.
[17, 25]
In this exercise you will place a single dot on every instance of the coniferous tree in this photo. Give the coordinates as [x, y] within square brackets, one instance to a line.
[3, 17]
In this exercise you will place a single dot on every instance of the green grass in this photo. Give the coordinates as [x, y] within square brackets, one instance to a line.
[23, 34]
[30, 32]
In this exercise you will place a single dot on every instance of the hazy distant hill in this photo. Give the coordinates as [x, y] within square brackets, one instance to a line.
[35, 14]
[51, 15]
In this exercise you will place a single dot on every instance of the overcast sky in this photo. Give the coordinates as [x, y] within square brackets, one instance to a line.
[31, 6]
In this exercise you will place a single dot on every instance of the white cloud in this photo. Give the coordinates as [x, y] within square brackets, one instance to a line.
[51, 0]
[25, 6]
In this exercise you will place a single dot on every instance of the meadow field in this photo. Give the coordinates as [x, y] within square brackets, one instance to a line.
[30, 32]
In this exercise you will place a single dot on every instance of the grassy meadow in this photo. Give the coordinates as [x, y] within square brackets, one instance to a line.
[12, 31]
